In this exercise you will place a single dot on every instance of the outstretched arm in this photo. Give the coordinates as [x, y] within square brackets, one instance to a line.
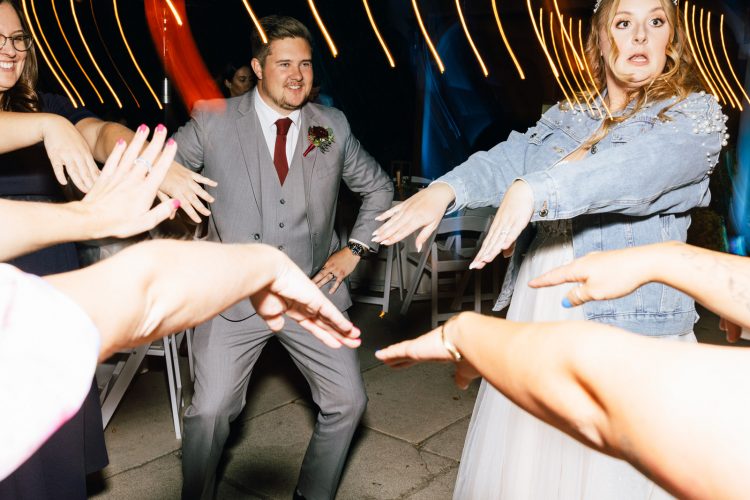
[664, 407]
[156, 288]
[119, 204]
[719, 281]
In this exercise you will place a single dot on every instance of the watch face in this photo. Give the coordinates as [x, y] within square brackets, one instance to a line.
[356, 249]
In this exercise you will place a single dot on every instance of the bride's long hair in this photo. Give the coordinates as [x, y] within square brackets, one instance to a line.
[680, 77]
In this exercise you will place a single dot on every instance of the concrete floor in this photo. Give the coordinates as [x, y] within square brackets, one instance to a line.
[408, 447]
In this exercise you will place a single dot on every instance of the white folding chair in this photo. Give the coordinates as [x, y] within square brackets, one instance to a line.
[443, 257]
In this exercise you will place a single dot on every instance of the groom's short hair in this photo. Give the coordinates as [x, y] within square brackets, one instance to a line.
[277, 28]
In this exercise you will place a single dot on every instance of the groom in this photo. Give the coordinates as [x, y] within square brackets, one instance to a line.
[278, 161]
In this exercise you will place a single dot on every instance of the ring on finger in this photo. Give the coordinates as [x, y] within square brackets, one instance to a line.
[144, 162]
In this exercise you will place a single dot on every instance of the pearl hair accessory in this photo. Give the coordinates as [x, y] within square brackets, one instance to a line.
[599, 2]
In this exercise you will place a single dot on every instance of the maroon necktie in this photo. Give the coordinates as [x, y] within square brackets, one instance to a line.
[279, 151]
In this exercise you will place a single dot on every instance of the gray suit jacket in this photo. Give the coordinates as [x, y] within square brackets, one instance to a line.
[228, 147]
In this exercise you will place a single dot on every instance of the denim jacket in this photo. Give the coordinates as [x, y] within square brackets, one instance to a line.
[634, 187]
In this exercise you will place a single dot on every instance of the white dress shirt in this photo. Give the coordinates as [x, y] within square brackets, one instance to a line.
[267, 117]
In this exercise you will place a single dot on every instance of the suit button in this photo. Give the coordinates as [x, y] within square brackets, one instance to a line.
[281, 247]
[281, 225]
[256, 236]
[282, 201]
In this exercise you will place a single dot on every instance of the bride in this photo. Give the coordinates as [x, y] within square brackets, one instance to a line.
[620, 168]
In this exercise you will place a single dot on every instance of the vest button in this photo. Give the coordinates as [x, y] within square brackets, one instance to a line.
[282, 201]
[281, 225]
[256, 236]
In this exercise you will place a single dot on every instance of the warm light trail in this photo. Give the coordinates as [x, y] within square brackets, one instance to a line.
[59, 25]
[468, 37]
[377, 34]
[729, 62]
[574, 71]
[588, 69]
[52, 53]
[541, 40]
[718, 66]
[557, 56]
[692, 48]
[132, 57]
[260, 29]
[91, 56]
[331, 45]
[427, 37]
[505, 41]
[174, 12]
[552, 64]
[567, 35]
[44, 55]
[109, 55]
[709, 66]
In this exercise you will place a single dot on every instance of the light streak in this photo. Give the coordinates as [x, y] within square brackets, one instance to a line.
[573, 69]
[59, 25]
[427, 37]
[588, 69]
[468, 37]
[91, 56]
[567, 35]
[260, 29]
[692, 48]
[174, 12]
[729, 62]
[52, 53]
[377, 34]
[109, 55]
[557, 56]
[132, 57]
[709, 67]
[331, 45]
[505, 41]
[540, 37]
[718, 66]
[44, 55]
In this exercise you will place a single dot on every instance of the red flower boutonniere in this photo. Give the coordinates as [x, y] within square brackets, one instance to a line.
[319, 137]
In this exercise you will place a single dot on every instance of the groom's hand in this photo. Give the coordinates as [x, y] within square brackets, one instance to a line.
[338, 266]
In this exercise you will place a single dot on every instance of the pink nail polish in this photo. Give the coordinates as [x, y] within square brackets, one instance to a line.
[143, 128]
[120, 142]
[170, 142]
[176, 204]
[160, 128]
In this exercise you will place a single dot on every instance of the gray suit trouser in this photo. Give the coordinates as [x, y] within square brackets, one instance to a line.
[225, 353]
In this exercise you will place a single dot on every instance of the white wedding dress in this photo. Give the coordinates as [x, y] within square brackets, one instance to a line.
[508, 453]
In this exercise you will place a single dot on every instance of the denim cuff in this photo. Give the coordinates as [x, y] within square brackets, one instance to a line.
[545, 195]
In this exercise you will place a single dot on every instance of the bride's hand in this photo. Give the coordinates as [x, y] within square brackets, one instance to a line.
[511, 218]
[422, 211]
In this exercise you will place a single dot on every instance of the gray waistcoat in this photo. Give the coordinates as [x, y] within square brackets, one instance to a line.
[285, 224]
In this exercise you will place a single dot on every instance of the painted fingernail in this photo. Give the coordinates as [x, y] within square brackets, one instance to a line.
[143, 128]
[566, 303]
[121, 142]
[176, 204]
[170, 142]
[161, 128]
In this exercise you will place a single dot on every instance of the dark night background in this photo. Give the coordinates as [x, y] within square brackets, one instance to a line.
[388, 108]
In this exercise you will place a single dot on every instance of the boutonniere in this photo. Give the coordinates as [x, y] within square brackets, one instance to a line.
[319, 137]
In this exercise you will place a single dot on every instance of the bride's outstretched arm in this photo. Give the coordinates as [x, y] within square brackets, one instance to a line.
[664, 407]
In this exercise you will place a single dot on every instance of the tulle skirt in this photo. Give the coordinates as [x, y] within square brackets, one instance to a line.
[508, 453]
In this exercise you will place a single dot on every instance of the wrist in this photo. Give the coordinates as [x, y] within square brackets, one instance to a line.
[665, 256]
[442, 191]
